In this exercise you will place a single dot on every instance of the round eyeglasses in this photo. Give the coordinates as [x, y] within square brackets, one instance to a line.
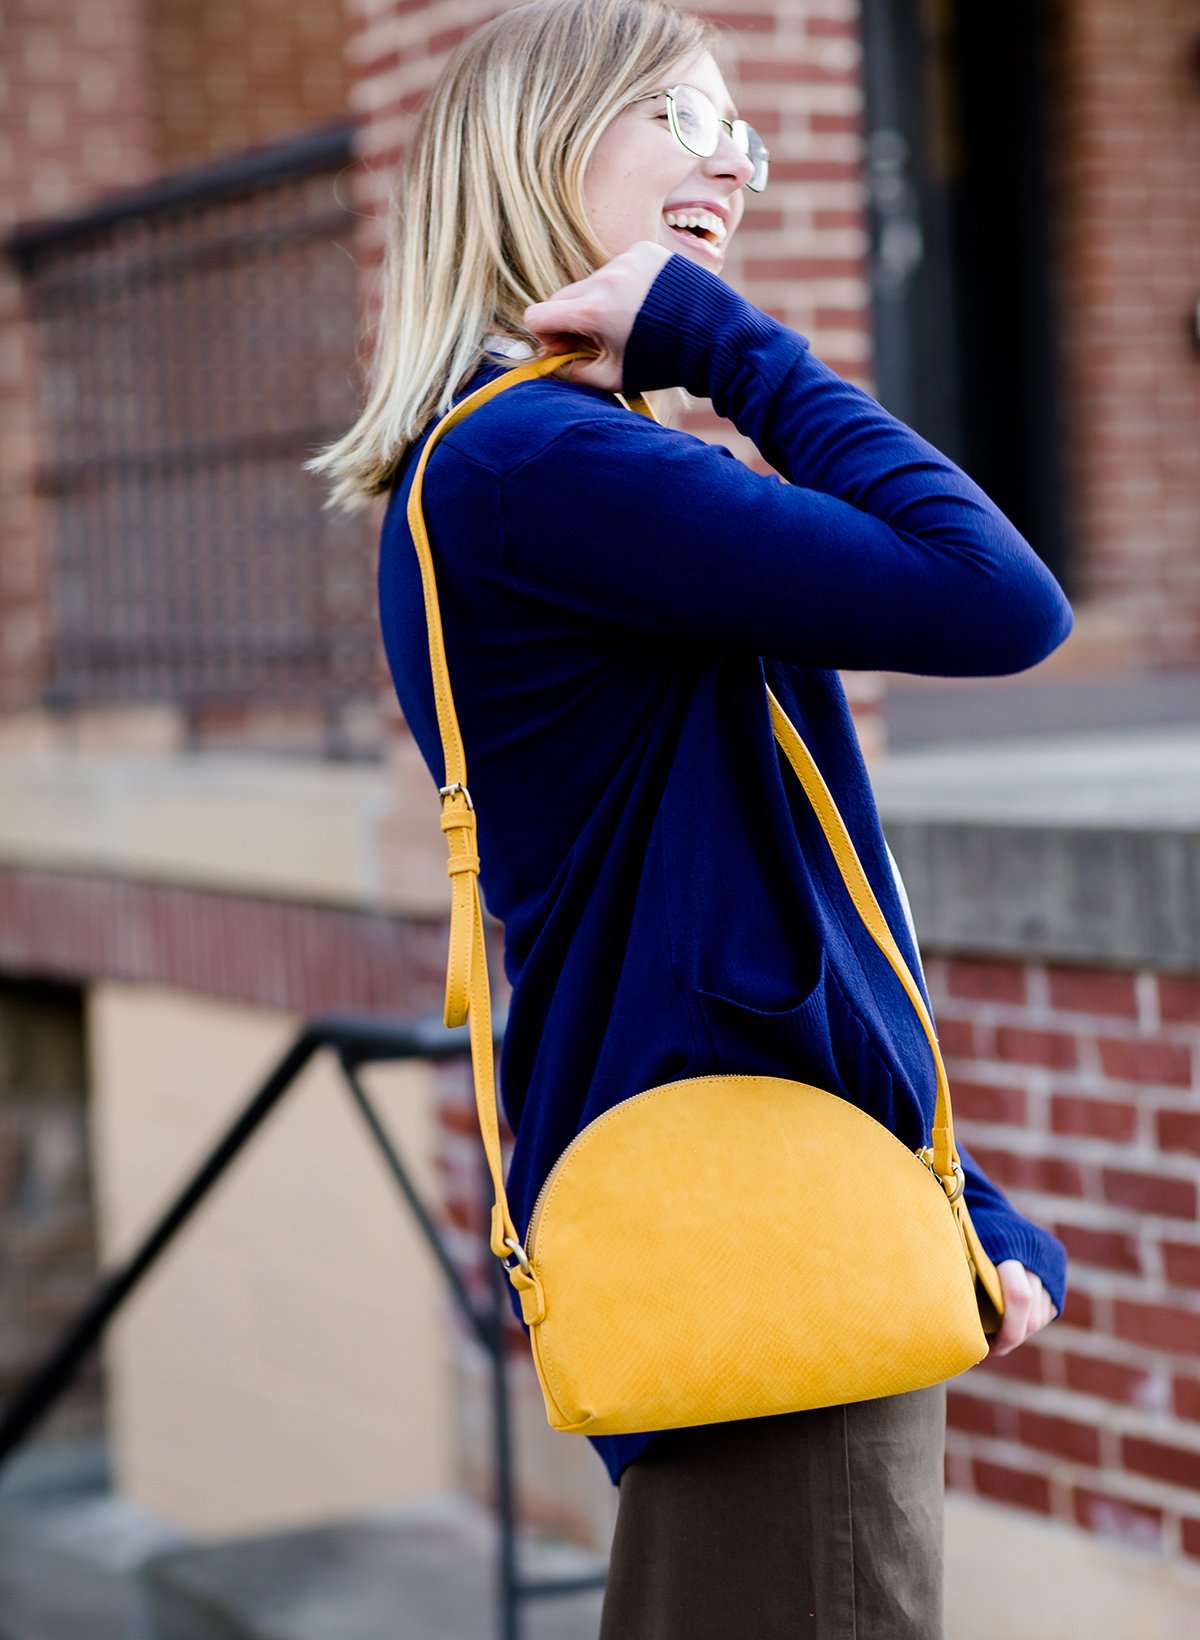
[697, 127]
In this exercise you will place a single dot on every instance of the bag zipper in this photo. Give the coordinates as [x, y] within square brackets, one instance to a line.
[583, 1133]
[586, 1132]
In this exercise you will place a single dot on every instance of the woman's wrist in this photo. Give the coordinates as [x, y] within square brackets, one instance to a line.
[692, 330]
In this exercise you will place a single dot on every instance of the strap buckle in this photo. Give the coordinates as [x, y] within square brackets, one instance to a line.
[924, 1155]
[456, 786]
[520, 1255]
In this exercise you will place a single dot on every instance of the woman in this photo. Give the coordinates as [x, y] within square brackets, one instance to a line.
[615, 595]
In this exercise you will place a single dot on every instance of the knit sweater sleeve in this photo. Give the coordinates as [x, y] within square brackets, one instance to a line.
[878, 552]
[1005, 1233]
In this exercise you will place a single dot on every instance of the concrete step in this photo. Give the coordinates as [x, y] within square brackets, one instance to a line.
[71, 1551]
[416, 1572]
[80, 1562]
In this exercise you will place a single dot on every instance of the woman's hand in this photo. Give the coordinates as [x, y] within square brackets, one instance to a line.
[1027, 1307]
[597, 313]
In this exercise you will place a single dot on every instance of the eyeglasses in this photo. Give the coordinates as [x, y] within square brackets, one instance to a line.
[697, 127]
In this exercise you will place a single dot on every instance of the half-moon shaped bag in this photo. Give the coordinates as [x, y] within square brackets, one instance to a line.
[727, 1246]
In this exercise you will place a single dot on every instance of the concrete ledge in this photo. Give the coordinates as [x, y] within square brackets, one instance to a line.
[1080, 848]
[240, 822]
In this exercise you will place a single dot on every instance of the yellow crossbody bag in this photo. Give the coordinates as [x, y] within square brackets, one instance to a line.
[725, 1246]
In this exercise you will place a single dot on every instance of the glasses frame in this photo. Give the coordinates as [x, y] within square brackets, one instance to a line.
[673, 119]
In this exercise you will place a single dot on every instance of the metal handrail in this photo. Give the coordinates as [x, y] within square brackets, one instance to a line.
[357, 1040]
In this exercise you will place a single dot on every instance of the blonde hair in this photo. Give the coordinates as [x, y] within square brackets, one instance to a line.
[487, 214]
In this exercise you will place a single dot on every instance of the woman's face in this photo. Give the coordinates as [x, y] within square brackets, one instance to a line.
[638, 171]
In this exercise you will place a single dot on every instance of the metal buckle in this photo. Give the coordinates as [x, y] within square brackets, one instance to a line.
[924, 1154]
[522, 1261]
[456, 786]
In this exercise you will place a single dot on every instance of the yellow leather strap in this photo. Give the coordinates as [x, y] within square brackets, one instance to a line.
[468, 994]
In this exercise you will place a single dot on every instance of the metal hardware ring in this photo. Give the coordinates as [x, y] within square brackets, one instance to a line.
[522, 1260]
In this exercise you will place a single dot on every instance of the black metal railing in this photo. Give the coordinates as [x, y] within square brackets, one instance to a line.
[194, 342]
[356, 1040]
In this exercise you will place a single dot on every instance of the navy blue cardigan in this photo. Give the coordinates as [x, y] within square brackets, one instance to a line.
[614, 592]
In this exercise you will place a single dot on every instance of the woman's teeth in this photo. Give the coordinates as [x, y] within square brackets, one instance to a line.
[684, 221]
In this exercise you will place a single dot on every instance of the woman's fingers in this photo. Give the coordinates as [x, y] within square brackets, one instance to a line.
[567, 325]
[596, 314]
[560, 313]
[1027, 1306]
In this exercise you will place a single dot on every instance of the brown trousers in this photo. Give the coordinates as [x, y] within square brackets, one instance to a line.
[825, 1524]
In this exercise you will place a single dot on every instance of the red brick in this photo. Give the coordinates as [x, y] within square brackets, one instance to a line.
[840, 318]
[459, 1118]
[1178, 1130]
[383, 63]
[1026, 1364]
[833, 217]
[1177, 1465]
[744, 22]
[1092, 991]
[465, 1215]
[1079, 1310]
[1144, 1059]
[1179, 999]
[1181, 1263]
[1185, 1397]
[990, 1101]
[445, 40]
[817, 170]
[836, 124]
[1157, 1326]
[1022, 1487]
[983, 981]
[1189, 1534]
[789, 71]
[1149, 1192]
[1017, 1171]
[977, 1415]
[1112, 1380]
[1108, 1249]
[1094, 1118]
[1066, 1437]
[765, 221]
[957, 1038]
[782, 268]
[1107, 1515]
[1058, 1050]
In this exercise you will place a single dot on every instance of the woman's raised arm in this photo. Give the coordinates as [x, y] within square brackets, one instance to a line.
[879, 551]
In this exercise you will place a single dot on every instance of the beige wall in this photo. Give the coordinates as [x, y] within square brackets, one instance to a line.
[1009, 1574]
[289, 1356]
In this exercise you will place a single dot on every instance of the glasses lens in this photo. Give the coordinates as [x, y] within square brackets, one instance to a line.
[698, 127]
[757, 151]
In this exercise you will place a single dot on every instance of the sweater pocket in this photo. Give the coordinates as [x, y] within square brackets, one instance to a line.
[792, 1039]
[818, 1039]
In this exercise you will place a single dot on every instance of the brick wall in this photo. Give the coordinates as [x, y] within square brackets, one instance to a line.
[1078, 1089]
[74, 124]
[1127, 159]
[95, 99]
[234, 73]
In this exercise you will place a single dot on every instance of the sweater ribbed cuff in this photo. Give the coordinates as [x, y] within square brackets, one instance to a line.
[692, 330]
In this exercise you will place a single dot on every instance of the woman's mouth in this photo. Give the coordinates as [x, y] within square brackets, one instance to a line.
[702, 231]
